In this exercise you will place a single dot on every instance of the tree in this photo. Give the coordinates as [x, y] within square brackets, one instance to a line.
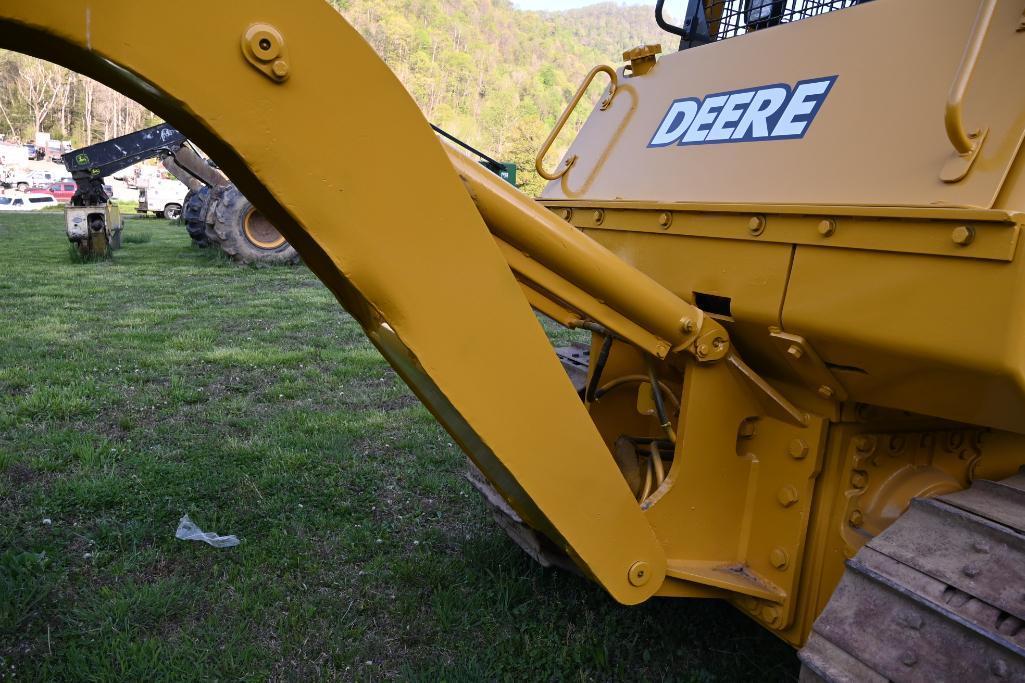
[40, 85]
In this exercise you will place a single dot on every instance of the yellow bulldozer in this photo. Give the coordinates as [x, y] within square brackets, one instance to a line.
[794, 243]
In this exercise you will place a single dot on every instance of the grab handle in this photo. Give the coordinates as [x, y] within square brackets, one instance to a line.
[605, 104]
[966, 144]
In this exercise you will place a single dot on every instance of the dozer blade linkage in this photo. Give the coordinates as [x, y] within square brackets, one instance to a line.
[414, 263]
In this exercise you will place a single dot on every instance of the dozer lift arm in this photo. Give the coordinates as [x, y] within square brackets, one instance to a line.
[414, 263]
[90, 165]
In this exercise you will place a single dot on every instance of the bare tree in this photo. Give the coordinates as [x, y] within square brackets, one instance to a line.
[88, 92]
[39, 84]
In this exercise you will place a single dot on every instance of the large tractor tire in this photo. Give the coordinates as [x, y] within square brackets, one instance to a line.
[244, 234]
[938, 596]
[193, 213]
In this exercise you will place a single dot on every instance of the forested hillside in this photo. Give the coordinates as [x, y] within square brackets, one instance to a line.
[492, 75]
[496, 76]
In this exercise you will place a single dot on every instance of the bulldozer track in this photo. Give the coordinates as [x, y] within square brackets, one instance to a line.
[940, 595]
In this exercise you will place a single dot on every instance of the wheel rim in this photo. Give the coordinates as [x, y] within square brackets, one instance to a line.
[260, 233]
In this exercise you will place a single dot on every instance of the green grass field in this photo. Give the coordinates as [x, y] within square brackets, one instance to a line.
[168, 381]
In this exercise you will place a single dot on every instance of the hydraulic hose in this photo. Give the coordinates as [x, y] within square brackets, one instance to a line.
[660, 406]
[599, 367]
[635, 379]
[656, 458]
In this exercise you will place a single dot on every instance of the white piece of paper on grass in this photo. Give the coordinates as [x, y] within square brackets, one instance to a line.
[188, 531]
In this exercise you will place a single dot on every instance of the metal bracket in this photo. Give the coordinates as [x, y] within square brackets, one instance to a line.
[812, 370]
[264, 48]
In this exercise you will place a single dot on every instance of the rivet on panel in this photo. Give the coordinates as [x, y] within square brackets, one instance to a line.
[756, 226]
[665, 219]
[787, 496]
[779, 558]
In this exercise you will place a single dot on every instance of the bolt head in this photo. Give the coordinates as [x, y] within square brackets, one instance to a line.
[912, 621]
[963, 235]
[280, 68]
[748, 428]
[688, 326]
[787, 496]
[826, 392]
[856, 519]
[665, 219]
[599, 216]
[865, 444]
[771, 615]
[981, 547]
[897, 444]
[971, 570]
[639, 574]
[798, 449]
[756, 226]
[827, 227]
[859, 479]
[999, 668]
[909, 658]
[795, 351]
[779, 558]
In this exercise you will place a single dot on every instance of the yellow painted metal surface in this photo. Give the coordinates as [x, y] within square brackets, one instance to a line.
[879, 138]
[399, 277]
[767, 307]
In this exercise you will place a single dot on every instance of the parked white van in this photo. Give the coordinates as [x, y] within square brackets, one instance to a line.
[165, 198]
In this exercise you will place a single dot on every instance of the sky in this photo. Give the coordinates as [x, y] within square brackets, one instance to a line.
[570, 4]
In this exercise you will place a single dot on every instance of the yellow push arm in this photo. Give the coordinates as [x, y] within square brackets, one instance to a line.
[412, 261]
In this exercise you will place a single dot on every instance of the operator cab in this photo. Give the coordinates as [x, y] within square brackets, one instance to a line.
[706, 21]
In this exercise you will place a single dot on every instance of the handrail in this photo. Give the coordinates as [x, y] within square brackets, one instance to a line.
[605, 104]
[963, 141]
[665, 25]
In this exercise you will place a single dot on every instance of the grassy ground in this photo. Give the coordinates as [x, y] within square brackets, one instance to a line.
[169, 382]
